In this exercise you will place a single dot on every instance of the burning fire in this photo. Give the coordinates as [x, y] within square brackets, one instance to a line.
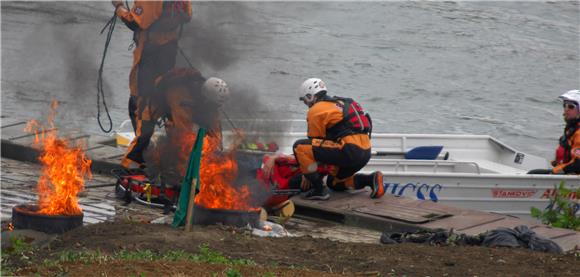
[63, 172]
[218, 172]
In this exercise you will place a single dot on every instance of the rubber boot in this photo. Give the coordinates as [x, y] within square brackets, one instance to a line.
[374, 181]
[317, 191]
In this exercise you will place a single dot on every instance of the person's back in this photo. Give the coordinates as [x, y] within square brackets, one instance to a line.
[190, 99]
[338, 135]
[332, 118]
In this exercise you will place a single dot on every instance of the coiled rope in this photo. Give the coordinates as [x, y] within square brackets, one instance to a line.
[100, 90]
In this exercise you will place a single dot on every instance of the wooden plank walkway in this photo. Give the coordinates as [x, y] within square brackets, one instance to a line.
[19, 145]
[18, 180]
[390, 213]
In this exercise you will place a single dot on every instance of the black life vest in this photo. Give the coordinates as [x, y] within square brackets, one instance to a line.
[564, 155]
[174, 14]
[355, 120]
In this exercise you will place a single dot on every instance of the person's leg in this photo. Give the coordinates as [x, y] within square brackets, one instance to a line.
[143, 135]
[540, 171]
[143, 107]
[373, 180]
[132, 112]
[308, 166]
[349, 160]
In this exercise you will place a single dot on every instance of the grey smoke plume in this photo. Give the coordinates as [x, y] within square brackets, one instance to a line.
[212, 43]
[210, 38]
[57, 59]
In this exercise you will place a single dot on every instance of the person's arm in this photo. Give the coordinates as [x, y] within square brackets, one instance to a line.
[125, 15]
[269, 161]
[322, 116]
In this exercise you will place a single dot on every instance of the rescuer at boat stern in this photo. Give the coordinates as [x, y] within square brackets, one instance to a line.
[567, 160]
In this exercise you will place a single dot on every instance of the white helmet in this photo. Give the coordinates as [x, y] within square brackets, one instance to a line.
[311, 87]
[216, 90]
[571, 95]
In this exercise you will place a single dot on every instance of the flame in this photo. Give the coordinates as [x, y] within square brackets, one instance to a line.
[218, 172]
[64, 169]
[185, 141]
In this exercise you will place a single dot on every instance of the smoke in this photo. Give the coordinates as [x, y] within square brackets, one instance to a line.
[165, 163]
[214, 41]
[210, 38]
[57, 60]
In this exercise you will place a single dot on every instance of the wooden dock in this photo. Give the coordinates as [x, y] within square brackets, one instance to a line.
[357, 210]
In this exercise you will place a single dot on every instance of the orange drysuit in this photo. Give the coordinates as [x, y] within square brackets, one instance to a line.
[156, 26]
[185, 107]
[349, 152]
[184, 104]
[568, 154]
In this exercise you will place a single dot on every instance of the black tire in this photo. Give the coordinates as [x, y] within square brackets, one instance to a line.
[26, 216]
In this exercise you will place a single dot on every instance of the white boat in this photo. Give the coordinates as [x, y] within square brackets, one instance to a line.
[479, 173]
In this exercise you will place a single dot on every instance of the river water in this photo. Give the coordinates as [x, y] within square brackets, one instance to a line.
[484, 67]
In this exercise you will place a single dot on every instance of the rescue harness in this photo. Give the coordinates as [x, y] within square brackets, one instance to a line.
[563, 153]
[355, 120]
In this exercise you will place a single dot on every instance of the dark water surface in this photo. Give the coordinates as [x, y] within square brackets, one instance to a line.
[419, 67]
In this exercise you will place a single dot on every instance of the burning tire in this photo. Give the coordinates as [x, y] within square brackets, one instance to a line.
[26, 216]
[205, 216]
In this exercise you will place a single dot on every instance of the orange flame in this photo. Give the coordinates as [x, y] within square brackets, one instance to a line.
[218, 172]
[64, 169]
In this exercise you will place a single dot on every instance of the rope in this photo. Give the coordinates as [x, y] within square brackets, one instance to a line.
[100, 91]
[185, 57]
[235, 129]
[231, 123]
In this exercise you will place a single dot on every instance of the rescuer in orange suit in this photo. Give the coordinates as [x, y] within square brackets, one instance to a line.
[156, 26]
[338, 135]
[190, 100]
[567, 159]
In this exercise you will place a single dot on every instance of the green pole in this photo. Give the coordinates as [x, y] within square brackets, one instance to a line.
[191, 173]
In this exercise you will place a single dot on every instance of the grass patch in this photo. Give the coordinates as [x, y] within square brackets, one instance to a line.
[206, 255]
[57, 262]
[214, 257]
[232, 272]
[17, 255]
[83, 257]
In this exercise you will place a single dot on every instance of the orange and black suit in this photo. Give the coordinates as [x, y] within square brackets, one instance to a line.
[184, 104]
[332, 143]
[156, 26]
[185, 107]
[568, 154]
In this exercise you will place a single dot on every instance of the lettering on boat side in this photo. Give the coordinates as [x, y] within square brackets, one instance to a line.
[513, 193]
[421, 191]
[552, 192]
